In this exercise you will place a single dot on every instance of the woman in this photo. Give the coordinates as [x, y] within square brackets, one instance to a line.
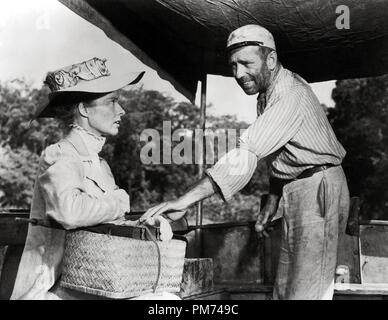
[74, 185]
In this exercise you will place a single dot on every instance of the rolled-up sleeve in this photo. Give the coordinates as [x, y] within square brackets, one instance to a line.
[271, 131]
[67, 202]
[233, 171]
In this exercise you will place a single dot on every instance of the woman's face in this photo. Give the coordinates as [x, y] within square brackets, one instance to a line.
[104, 115]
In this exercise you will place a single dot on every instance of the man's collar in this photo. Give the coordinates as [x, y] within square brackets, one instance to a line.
[274, 82]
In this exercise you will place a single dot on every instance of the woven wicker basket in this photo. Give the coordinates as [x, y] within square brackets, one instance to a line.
[120, 267]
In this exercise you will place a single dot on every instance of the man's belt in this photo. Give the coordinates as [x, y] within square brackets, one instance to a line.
[276, 184]
[310, 172]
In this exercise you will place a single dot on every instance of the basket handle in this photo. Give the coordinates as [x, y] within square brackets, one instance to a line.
[159, 256]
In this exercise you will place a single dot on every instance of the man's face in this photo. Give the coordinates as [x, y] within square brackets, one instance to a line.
[104, 114]
[249, 70]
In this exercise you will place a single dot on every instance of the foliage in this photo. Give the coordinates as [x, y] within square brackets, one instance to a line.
[17, 170]
[17, 106]
[360, 120]
[22, 142]
[147, 184]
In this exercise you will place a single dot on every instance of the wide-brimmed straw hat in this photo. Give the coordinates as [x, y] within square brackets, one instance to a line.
[88, 77]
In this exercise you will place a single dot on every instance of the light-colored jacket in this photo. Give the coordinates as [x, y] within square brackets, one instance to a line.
[72, 190]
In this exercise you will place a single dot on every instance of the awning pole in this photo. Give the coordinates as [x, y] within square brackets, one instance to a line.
[201, 164]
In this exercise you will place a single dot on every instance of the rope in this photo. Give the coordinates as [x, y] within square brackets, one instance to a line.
[159, 257]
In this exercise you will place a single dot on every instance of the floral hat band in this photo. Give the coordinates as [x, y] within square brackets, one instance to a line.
[71, 76]
[90, 77]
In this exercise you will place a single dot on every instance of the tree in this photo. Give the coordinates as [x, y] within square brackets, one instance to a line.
[17, 174]
[22, 142]
[147, 184]
[151, 184]
[360, 120]
[18, 102]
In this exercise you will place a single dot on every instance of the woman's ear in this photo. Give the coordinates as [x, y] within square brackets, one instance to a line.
[83, 111]
[272, 60]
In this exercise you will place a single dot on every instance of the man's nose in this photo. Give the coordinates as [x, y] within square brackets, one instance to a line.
[239, 72]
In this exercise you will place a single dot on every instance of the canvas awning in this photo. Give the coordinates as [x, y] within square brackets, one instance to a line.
[184, 39]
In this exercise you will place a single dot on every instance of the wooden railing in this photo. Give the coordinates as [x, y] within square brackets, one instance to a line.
[238, 257]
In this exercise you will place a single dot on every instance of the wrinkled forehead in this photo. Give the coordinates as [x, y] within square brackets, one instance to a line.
[244, 53]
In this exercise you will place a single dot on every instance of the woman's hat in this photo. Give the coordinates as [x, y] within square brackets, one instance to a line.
[91, 77]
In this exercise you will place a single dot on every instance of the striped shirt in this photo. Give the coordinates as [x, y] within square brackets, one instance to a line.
[293, 134]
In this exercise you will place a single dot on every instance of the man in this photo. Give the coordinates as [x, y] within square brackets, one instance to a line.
[307, 183]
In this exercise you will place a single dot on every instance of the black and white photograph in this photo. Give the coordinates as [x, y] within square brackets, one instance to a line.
[211, 151]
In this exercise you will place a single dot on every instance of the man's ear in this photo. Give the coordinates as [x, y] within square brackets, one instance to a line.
[83, 111]
[272, 60]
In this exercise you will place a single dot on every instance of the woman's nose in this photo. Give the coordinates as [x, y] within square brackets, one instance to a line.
[119, 109]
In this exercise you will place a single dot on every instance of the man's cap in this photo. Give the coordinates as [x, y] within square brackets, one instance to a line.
[251, 34]
[88, 77]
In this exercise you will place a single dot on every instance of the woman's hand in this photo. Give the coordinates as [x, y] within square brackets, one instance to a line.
[173, 210]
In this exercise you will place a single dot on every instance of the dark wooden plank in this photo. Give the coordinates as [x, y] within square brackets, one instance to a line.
[374, 222]
[237, 253]
[272, 252]
[9, 270]
[348, 243]
[244, 288]
[348, 255]
[374, 254]
[12, 233]
[361, 289]
[352, 226]
[2, 254]
[197, 276]
[212, 295]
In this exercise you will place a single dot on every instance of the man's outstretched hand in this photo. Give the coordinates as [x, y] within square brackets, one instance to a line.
[170, 209]
[176, 209]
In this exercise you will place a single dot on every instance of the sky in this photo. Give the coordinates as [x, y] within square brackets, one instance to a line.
[43, 35]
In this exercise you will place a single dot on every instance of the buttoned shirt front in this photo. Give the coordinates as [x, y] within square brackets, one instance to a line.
[293, 134]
